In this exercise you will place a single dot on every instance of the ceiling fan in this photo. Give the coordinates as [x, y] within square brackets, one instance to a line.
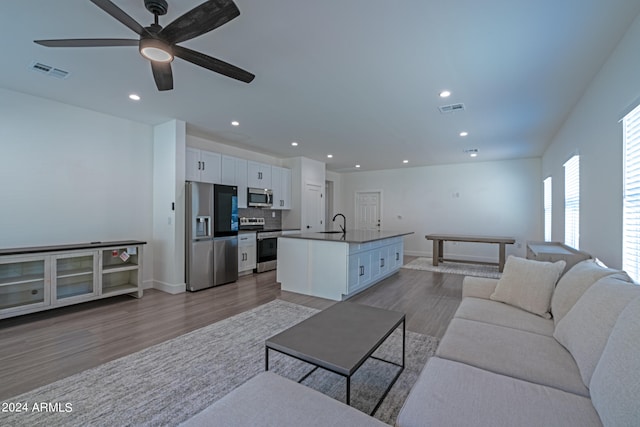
[160, 45]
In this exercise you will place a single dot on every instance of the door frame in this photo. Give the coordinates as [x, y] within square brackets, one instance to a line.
[355, 204]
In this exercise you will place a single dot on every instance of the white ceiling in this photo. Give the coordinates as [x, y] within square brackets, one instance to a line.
[358, 79]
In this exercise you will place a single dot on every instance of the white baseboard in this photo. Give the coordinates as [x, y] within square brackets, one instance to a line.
[170, 288]
[418, 253]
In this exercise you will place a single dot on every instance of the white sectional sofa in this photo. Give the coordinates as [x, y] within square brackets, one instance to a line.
[575, 362]
[501, 365]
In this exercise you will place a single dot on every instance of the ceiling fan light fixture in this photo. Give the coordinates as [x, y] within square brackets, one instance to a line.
[155, 50]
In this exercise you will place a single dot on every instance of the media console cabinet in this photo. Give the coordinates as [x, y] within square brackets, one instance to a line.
[45, 277]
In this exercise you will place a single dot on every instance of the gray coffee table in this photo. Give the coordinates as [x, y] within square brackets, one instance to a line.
[340, 339]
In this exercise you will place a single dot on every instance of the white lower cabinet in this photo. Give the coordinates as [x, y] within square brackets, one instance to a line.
[335, 270]
[394, 256]
[359, 271]
[247, 246]
[373, 261]
[36, 281]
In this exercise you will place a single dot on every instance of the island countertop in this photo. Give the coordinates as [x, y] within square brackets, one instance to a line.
[351, 236]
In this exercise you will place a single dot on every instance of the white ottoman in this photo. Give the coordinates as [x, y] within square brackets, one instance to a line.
[271, 400]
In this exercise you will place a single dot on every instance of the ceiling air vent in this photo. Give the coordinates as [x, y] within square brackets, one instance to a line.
[452, 108]
[49, 70]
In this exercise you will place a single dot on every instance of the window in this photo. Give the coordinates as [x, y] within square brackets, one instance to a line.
[572, 202]
[547, 209]
[631, 197]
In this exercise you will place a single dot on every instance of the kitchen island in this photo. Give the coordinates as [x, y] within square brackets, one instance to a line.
[338, 265]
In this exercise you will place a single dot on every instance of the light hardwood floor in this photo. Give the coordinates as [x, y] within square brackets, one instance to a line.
[40, 348]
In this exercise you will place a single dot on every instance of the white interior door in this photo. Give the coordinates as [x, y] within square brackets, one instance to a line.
[368, 210]
[313, 214]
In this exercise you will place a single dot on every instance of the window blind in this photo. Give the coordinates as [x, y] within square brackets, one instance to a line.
[572, 202]
[631, 196]
[547, 209]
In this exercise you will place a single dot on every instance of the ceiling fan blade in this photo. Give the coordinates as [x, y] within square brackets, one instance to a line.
[213, 64]
[120, 15]
[87, 42]
[162, 75]
[199, 20]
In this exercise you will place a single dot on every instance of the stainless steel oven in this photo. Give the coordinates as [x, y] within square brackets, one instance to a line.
[267, 250]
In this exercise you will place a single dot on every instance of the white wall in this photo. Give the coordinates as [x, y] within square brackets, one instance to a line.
[593, 131]
[70, 175]
[501, 198]
[168, 207]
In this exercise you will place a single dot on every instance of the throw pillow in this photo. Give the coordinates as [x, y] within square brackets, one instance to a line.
[528, 284]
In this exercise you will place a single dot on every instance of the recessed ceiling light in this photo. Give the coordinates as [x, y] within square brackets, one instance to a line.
[445, 94]
[295, 144]
[330, 156]
[235, 123]
[464, 133]
[405, 161]
[473, 152]
[357, 166]
[134, 97]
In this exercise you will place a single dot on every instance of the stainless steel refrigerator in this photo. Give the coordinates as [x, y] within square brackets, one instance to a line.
[211, 235]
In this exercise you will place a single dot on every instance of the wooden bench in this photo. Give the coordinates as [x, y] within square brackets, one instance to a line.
[439, 239]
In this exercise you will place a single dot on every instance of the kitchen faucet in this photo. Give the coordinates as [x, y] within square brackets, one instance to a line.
[344, 222]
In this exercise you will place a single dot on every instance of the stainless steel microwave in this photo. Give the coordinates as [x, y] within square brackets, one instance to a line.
[259, 198]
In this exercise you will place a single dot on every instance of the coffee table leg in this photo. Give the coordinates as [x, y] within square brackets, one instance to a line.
[403, 340]
[348, 390]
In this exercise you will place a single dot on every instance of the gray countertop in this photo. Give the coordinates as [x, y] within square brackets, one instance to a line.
[351, 236]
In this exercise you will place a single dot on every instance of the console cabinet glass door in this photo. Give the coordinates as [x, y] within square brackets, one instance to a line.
[23, 283]
[74, 276]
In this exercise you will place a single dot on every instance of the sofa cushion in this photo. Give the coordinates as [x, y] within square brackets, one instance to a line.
[528, 284]
[585, 329]
[271, 400]
[615, 384]
[525, 355]
[478, 287]
[449, 393]
[574, 283]
[498, 313]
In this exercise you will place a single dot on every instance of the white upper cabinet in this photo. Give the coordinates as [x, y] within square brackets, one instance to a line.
[281, 186]
[259, 175]
[216, 168]
[234, 172]
[202, 166]
[228, 173]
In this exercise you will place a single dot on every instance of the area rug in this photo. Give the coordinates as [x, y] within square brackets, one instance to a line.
[174, 380]
[465, 269]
